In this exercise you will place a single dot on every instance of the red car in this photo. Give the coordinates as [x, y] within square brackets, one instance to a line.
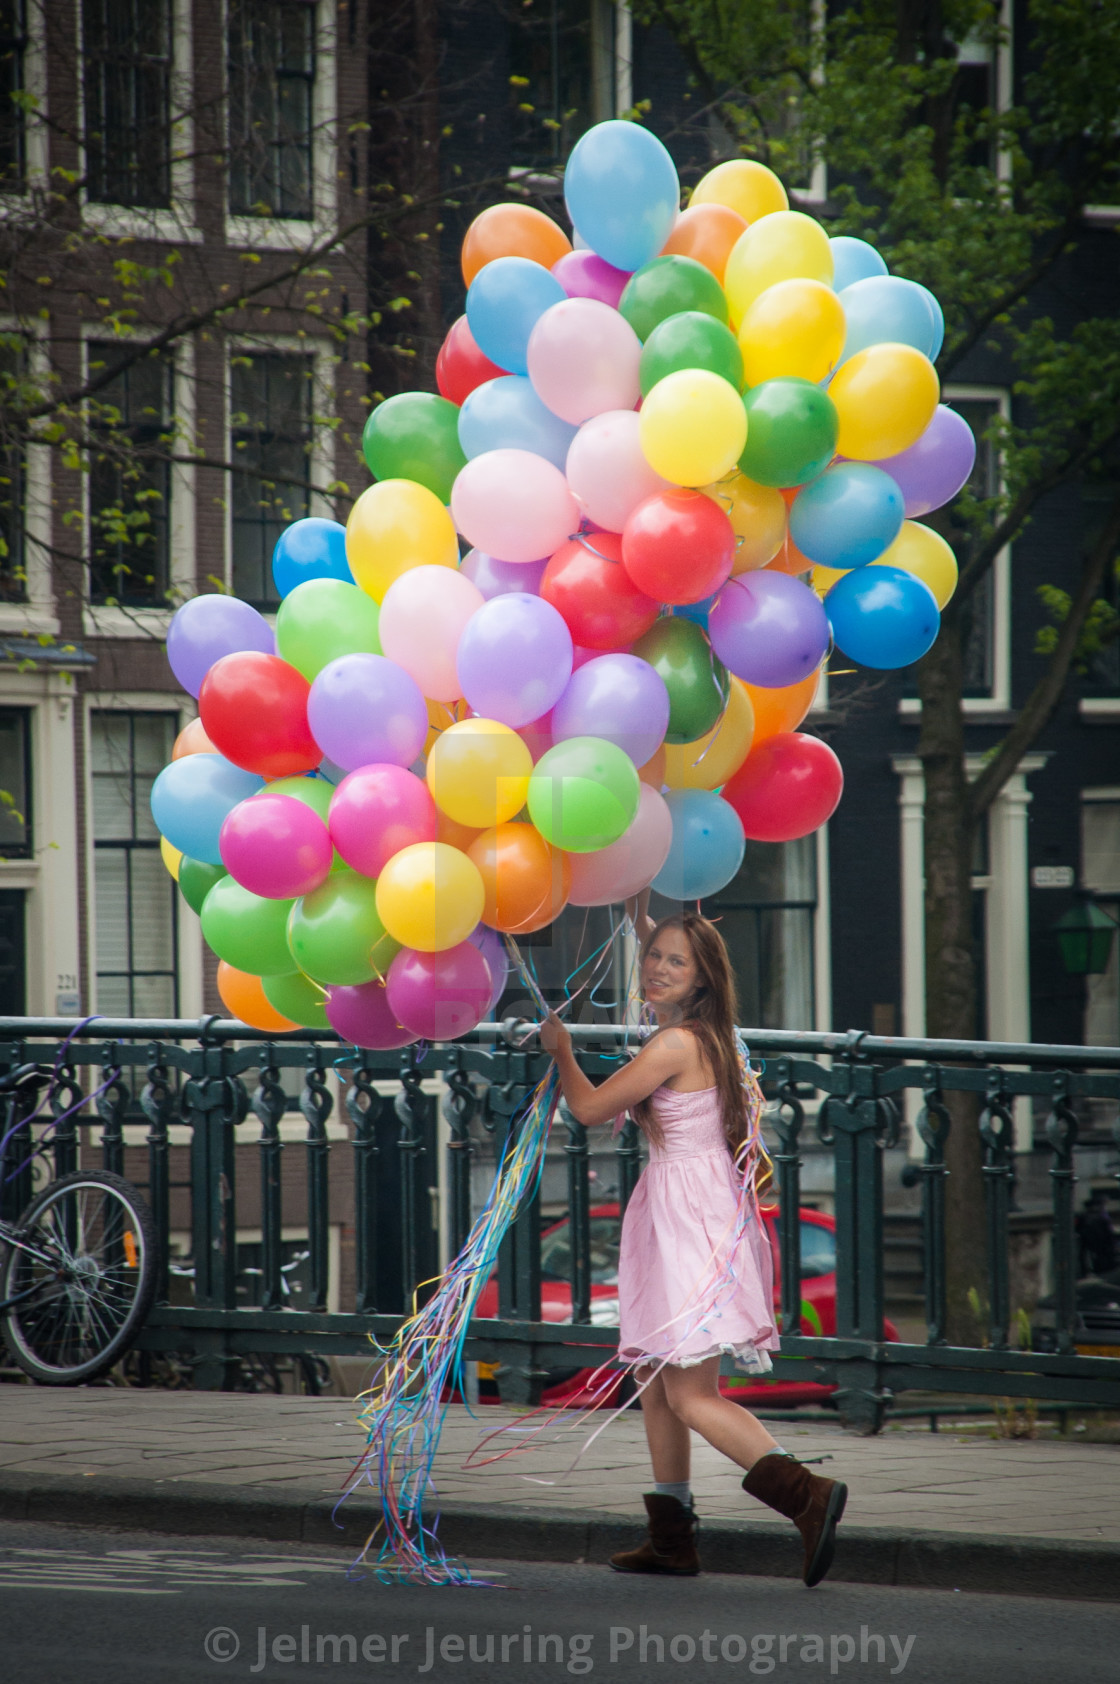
[818, 1301]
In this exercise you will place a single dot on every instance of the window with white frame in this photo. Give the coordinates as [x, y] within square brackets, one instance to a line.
[271, 65]
[271, 447]
[1100, 875]
[134, 895]
[129, 477]
[562, 76]
[13, 475]
[127, 72]
[13, 88]
[766, 916]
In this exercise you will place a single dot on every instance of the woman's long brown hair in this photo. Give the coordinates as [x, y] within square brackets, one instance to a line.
[710, 1014]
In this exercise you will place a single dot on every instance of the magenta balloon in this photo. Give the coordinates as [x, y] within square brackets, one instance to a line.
[275, 846]
[364, 709]
[624, 867]
[934, 469]
[363, 1016]
[499, 578]
[440, 995]
[375, 812]
[493, 949]
[769, 629]
[584, 275]
[208, 627]
[515, 657]
[618, 697]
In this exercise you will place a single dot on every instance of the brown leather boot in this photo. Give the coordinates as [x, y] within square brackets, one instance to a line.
[671, 1544]
[813, 1504]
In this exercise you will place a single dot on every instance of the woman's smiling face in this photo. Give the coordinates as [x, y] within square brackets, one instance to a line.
[669, 971]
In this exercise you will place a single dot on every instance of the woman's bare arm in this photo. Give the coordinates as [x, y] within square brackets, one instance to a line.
[669, 1054]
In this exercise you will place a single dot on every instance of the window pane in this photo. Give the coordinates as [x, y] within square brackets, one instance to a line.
[818, 1249]
[127, 51]
[130, 480]
[979, 651]
[271, 440]
[15, 796]
[551, 80]
[271, 80]
[766, 918]
[152, 912]
[110, 877]
[114, 997]
[110, 754]
[13, 47]
[13, 569]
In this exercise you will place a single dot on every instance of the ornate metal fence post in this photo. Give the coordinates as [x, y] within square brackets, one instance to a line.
[579, 1215]
[111, 1105]
[459, 1107]
[16, 1186]
[363, 1103]
[628, 1158]
[787, 1122]
[1061, 1131]
[409, 1107]
[214, 1103]
[269, 1104]
[316, 1104]
[997, 1131]
[156, 1102]
[67, 1097]
[933, 1124]
[519, 1257]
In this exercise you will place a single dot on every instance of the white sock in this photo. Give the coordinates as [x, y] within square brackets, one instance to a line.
[681, 1490]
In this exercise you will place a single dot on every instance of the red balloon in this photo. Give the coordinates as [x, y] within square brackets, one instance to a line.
[787, 787]
[253, 708]
[587, 584]
[678, 546]
[461, 366]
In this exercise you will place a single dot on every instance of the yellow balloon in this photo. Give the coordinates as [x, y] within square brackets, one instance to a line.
[430, 896]
[711, 760]
[478, 773]
[923, 552]
[758, 514]
[693, 427]
[822, 579]
[885, 397]
[397, 524]
[783, 247]
[172, 857]
[795, 327]
[746, 187]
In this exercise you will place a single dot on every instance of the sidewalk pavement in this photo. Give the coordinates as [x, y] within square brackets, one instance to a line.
[1040, 1517]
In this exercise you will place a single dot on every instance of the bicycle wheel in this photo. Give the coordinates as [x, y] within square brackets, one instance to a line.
[89, 1278]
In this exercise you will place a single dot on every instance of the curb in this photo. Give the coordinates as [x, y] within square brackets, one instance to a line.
[987, 1563]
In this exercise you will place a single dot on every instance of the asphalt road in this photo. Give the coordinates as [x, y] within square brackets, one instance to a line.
[100, 1607]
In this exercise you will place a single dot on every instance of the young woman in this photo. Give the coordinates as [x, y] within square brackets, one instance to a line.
[694, 1282]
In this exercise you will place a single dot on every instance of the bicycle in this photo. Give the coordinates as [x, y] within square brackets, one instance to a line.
[78, 1266]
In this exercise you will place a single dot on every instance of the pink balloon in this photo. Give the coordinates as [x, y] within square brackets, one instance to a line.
[583, 359]
[422, 620]
[514, 505]
[607, 471]
[584, 275]
[363, 1016]
[378, 810]
[624, 867]
[440, 995]
[273, 845]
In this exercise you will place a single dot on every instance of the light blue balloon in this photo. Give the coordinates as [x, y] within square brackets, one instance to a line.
[506, 300]
[622, 192]
[854, 260]
[506, 414]
[313, 548]
[707, 847]
[697, 611]
[887, 310]
[848, 516]
[191, 798]
[882, 617]
[938, 322]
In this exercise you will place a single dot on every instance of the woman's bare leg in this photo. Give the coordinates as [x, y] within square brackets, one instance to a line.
[666, 1433]
[692, 1395]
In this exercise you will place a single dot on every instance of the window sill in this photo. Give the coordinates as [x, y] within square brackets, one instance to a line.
[978, 710]
[30, 619]
[147, 623]
[264, 233]
[1106, 708]
[1101, 216]
[132, 222]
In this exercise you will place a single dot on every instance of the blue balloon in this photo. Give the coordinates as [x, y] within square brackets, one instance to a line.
[506, 300]
[887, 310]
[938, 322]
[697, 611]
[506, 414]
[848, 516]
[707, 847]
[192, 797]
[854, 260]
[622, 192]
[310, 549]
[882, 617]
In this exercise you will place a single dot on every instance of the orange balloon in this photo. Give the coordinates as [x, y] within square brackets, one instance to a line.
[789, 492]
[244, 998]
[512, 231]
[706, 233]
[192, 739]
[789, 559]
[776, 711]
[653, 772]
[455, 835]
[526, 880]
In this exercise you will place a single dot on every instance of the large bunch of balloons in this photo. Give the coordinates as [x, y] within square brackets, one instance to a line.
[683, 453]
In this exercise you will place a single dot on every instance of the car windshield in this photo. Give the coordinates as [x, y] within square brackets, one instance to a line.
[818, 1249]
[556, 1251]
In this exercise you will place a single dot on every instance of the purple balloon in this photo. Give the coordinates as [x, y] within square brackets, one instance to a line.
[769, 629]
[934, 469]
[440, 995]
[515, 657]
[500, 578]
[493, 949]
[364, 708]
[584, 275]
[276, 846]
[620, 698]
[208, 627]
[363, 1016]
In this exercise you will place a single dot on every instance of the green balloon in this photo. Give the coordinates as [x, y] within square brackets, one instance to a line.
[583, 794]
[323, 619]
[792, 428]
[315, 792]
[196, 879]
[335, 934]
[295, 996]
[697, 682]
[690, 340]
[415, 436]
[246, 930]
[666, 287]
